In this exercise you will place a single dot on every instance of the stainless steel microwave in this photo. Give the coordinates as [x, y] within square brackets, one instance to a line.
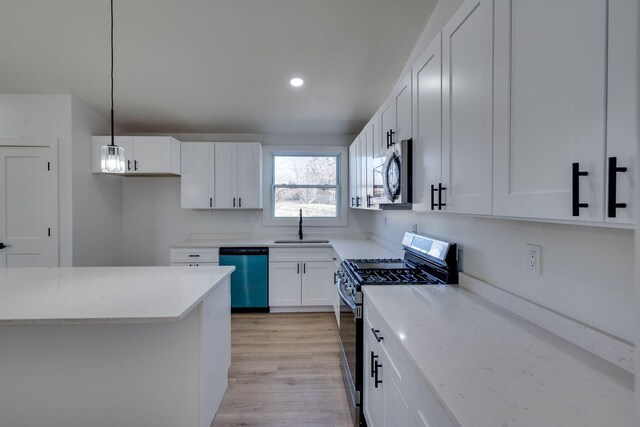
[392, 179]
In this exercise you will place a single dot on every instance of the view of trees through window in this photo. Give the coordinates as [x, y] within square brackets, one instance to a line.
[308, 182]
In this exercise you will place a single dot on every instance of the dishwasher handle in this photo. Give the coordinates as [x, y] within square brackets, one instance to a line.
[244, 251]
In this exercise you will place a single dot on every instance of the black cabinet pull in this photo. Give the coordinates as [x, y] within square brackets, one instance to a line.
[194, 256]
[388, 137]
[128, 165]
[353, 203]
[358, 198]
[612, 204]
[298, 268]
[375, 334]
[374, 359]
[440, 190]
[2, 246]
[135, 165]
[239, 202]
[210, 202]
[433, 198]
[234, 202]
[369, 197]
[375, 375]
[576, 173]
[390, 134]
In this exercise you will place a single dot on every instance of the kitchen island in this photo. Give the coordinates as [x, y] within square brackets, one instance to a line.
[106, 346]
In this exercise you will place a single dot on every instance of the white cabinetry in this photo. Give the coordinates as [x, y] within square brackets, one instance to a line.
[238, 175]
[355, 175]
[144, 155]
[427, 128]
[300, 277]
[395, 115]
[467, 99]
[550, 107]
[197, 179]
[193, 257]
[394, 394]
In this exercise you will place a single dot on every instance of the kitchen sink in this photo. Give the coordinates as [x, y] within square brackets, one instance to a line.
[301, 241]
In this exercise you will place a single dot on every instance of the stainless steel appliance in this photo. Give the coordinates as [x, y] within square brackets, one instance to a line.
[426, 262]
[394, 176]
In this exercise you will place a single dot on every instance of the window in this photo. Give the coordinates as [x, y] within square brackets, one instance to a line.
[305, 177]
[307, 182]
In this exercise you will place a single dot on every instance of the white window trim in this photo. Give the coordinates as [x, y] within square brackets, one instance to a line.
[343, 165]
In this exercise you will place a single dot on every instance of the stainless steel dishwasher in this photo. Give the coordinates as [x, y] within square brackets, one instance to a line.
[250, 280]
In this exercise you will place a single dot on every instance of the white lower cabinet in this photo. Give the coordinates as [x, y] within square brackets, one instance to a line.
[394, 394]
[300, 277]
[193, 257]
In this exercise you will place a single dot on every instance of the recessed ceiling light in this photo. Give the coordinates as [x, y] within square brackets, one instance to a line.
[296, 82]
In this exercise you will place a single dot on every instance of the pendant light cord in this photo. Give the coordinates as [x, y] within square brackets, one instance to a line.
[112, 118]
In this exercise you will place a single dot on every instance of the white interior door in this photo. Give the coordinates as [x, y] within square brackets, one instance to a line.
[28, 207]
[550, 107]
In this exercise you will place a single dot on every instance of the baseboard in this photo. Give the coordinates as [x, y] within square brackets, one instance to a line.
[613, 349]
[305, 309]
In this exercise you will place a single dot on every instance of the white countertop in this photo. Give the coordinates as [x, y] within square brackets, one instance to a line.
[95, 295]
[491, 368]
[359, 246]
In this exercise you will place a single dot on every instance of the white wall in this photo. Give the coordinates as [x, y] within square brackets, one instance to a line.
[97, 198]
[46, 116]
[153, 219]
[587, 272]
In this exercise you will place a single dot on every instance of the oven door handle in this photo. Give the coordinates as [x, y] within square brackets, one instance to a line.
[345, 299]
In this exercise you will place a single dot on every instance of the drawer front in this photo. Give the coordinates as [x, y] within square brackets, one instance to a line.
[193, 255]
[194, 264]
[429, 412]
[397, 363]
[301, 254]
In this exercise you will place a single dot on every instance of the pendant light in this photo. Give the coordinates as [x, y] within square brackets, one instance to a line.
[112, 156]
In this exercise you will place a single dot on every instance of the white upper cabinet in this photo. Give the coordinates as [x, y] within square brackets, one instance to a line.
[550, 108]
[427, 127]
[238, 175]
[379, 148]
[467, 70]
[197, 175]
[354, 174]
[622, 111]
[402, 99]
[144, 155]
[388, 122]
[362, 159]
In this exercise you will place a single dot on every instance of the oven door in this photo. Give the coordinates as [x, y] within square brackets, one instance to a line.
[349, 349]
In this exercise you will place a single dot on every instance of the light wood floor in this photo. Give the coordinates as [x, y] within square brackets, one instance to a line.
[285, 371]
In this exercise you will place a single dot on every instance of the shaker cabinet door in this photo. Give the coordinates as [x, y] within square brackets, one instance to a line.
[196, 180]
[467, 133]
[550, 108]
[226, 183]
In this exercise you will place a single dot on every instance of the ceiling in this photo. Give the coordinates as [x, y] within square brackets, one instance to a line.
[214, 66]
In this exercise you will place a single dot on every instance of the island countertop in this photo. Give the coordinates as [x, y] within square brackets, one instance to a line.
[103, 295]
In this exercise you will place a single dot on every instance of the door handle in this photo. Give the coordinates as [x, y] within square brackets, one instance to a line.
[440, 190]
[135, 165]
[304, 268]
[376, 333]
[298, 268]
[234, 202]
[239, 202]
[377, 381]
[128, 165]
[433, 199]
[210, 202]
[612, 204]
[576, 173]
[2, 246]
[374, 360]
[369, 197]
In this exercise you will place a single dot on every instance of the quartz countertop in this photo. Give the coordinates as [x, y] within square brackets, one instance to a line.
[492, 368]
[96, 295]
[359, 246]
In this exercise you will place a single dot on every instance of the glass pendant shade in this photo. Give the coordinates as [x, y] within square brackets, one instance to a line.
[112, 159]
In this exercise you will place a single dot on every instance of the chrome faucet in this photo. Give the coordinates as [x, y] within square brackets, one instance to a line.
[300, 226]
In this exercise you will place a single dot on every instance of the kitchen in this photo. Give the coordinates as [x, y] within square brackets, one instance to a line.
[545, 254]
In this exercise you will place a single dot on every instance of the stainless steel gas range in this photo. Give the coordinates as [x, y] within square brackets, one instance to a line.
[426, 262]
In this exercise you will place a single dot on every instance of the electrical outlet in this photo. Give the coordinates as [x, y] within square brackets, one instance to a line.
[534, 259]
[156, 231]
